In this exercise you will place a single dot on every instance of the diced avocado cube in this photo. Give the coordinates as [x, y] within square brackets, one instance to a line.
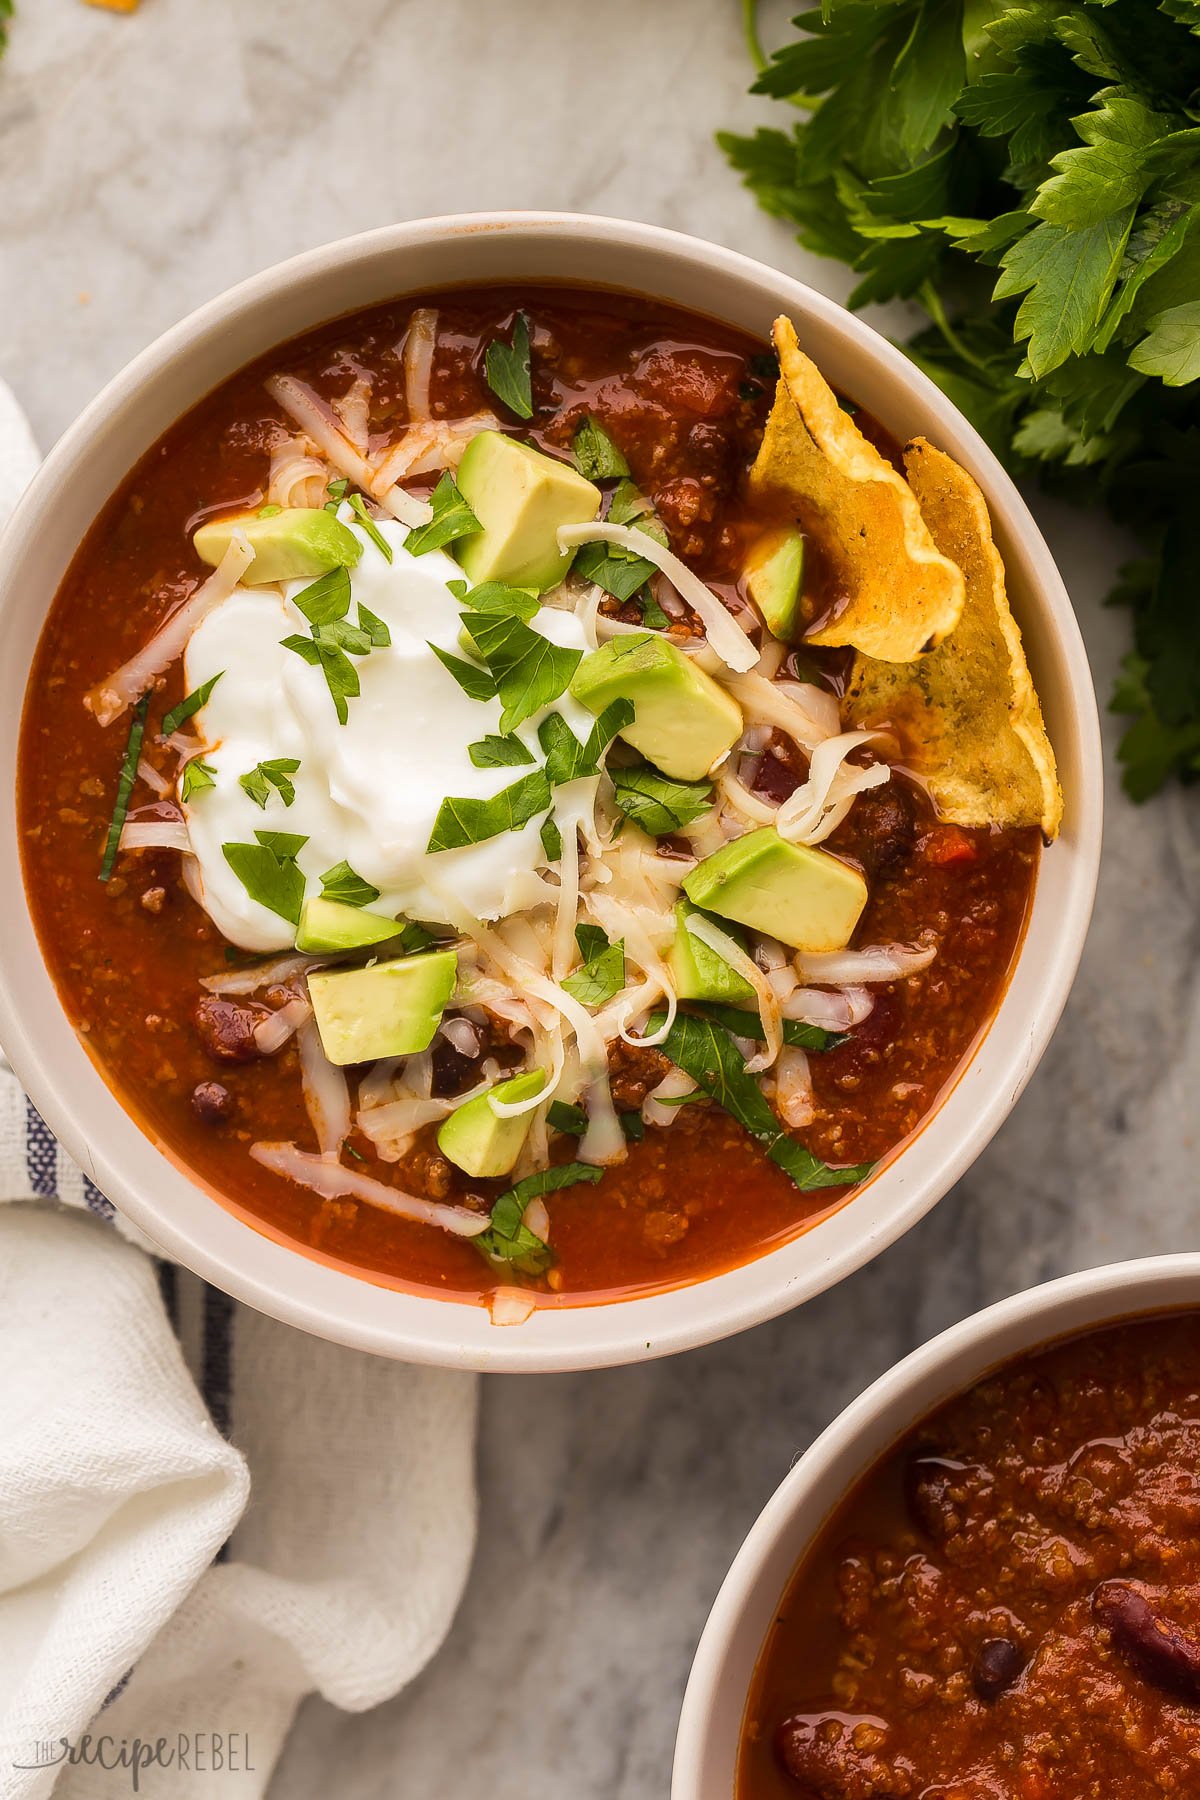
[801, 896]
[774, 576]
[481, 1144]
[683, 722]
[520, 498]
[331, 925]
[388, 1009]
[698, 972]
[297, 544]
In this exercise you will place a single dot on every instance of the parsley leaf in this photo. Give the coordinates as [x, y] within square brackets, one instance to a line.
[358, 507]
[603, 973]
[494, 752]
[374, 628]
[327, 599]
[342, 884]
[269, 877]
[189, 705]
[337, 491]
[452, 519]
[749, 1025]
[703, 1050]
[341, 677]
[284, 843]
[596, 456]
[508, 1238]
[619, 572]
[477, 683]
[552, 844]
[572, 1121]
[529, 671]
[566, 758]
[508, 371]
[125, 781]
[926, 146]
[196, 777]
[472, 821]
[656, 803]
[264, 776]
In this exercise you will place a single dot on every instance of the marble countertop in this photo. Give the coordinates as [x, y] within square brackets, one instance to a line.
[147, 162]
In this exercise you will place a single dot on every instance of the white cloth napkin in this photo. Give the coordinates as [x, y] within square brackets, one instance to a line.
[119, 1486]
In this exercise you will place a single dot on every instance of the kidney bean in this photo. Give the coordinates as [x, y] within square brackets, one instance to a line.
[211, 1102]
[1159, 1650]
[998, 1662]
[837, 1758]
[226, 1027]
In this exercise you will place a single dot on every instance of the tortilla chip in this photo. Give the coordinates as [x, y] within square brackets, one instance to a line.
[968, 714]
[898, 594]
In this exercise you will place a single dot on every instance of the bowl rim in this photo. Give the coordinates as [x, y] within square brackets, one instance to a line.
[843, 1453]
[340, 1306]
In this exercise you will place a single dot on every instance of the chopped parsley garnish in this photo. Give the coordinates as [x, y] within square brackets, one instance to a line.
[341, 883]
[656, 803]
[706, 1052]
[507, 369]
[496, 597]
[552, 1181]
[197, 776]
[595, 454]
[191, 704]
[529, 671]
[476, 683]
[358, 507]
[452, 518]
[128, 775]
[413, 937]
[269, 511]
[326, 599]
[472, 821]
[552, 844]
[566, 758]
[284, 843]
[603, 973]
[341, 677]
[325, 604]
[269, 876]
[259, 781]
[508, 1238]
[653, 616]
[619, 572]
[572, 1121]
[749, 1025]
[337, 491]
[374, 628]
[493, 752]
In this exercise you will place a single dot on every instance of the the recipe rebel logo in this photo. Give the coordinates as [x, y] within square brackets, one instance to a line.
[196, 1752]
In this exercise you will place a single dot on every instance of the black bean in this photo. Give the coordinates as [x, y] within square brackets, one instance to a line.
[998, 1662]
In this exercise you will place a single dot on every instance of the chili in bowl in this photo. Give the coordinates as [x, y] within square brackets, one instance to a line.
[980, 1582]
[531, 797]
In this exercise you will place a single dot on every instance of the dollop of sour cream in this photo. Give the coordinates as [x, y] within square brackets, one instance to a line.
[366, 792]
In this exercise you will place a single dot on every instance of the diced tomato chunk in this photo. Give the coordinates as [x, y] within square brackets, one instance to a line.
[946, 845]
[693, 381]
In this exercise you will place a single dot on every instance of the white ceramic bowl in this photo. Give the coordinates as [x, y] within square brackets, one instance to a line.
[94, 456]
[718, 1687]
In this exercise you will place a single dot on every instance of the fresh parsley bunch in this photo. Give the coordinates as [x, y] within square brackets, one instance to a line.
[1030, 174]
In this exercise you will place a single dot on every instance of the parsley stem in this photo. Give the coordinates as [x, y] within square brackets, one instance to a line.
[129, 768]
[931, 300]
[758, 55]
